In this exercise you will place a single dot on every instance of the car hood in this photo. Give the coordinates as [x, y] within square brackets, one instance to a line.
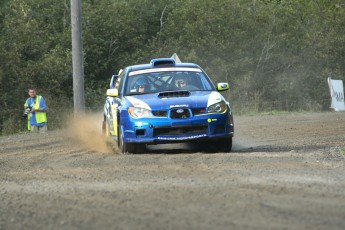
[178, 99]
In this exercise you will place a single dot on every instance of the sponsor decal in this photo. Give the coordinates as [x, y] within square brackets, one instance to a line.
[210, 120]
[138, 103]
[179, 106]
[181, 138]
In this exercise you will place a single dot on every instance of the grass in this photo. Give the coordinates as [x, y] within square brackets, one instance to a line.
[342, 151]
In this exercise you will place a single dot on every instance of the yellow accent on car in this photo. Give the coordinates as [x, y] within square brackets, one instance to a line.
[223, 86]
[112, 92]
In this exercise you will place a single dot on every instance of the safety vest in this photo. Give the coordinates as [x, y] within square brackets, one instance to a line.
[41, 117]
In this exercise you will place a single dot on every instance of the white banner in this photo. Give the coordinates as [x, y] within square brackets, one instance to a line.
[336, 89]
[176, 58]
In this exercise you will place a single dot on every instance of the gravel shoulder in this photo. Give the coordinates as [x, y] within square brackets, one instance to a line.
[285, 172]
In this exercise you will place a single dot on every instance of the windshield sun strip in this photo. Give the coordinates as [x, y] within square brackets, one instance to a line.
[175, 69]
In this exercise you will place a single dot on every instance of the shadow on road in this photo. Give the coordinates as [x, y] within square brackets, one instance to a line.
[237, 148]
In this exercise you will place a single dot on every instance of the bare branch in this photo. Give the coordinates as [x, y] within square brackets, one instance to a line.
[111, 48]
[162, 18]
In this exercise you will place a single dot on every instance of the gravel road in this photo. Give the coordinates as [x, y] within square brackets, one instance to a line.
[285, 172]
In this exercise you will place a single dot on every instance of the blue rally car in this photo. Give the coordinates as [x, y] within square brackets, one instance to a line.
[166, 102]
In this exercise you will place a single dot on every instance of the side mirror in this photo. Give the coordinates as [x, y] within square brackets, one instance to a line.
[112, 93]
[223, 86]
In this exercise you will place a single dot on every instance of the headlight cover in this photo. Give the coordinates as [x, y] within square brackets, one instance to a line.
[219, 107]
[137, 112]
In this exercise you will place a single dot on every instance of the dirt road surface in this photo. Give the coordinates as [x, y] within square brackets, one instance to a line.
[285, 172]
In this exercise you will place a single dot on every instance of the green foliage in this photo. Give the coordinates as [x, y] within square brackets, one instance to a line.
[13, 123]
[276, 54]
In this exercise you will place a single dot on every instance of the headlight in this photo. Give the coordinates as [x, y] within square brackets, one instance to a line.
[217, 108]
[139, 112]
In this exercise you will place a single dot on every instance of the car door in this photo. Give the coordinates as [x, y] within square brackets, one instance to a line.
[115, 103]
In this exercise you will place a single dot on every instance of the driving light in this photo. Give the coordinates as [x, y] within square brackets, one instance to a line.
[137, 112]
[217, 108]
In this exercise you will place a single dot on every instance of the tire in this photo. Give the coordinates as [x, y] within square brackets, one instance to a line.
[225, 144]
[216, 146]
[125, 147]
[107, 132]
[105, 128]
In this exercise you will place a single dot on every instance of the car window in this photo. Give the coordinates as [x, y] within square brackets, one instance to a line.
[159, 81]
[119, 82]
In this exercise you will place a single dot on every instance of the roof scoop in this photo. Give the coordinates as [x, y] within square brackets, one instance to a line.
[162, 62]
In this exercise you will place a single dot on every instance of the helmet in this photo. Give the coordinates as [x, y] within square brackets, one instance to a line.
[141, 82]
[181, 78]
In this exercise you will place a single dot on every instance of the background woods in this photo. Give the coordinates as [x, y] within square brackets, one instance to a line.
[276, 54]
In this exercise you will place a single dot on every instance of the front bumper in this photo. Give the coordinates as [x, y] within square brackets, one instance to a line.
[166, 130]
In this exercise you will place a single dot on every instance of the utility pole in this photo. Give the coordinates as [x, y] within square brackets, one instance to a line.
[77, 57]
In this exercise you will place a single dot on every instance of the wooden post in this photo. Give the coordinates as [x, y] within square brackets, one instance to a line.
[77, 57]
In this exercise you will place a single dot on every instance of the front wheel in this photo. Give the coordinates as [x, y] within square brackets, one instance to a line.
[128, 147]
[225, 145]
[216, 146]
[105, 128]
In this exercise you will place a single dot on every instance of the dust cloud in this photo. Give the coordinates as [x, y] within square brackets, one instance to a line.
[86, 131]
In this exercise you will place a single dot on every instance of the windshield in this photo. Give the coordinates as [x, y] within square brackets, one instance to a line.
[166, 79]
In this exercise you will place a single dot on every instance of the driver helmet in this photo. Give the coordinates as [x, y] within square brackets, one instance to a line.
[141, 82]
